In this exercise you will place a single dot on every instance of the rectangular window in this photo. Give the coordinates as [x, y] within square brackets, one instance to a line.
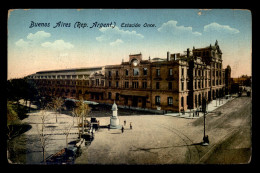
[144, 85]
[157, 85]
[170, 101]
[199, 84]
[117, 96]
[97, 82]
[195, 84]
[126, 84]
[102, 82]
[157, 100]
[145, 71]
[170, 72]
[117, 74]
[170, 85]
[109, 83]
[157, 72]
[134, 84]
[126, 72]
[109, 74]
[109, 95]
[182, 101]
[117, 84]
[182, 71]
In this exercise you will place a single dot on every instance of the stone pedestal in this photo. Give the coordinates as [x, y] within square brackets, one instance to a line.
[114, 120]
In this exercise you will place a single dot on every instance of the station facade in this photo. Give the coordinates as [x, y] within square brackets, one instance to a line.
[176, 83]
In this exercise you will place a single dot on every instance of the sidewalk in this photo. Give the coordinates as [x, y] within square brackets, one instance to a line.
[191, 113]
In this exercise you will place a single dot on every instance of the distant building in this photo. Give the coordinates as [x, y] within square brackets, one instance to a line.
[175, 83]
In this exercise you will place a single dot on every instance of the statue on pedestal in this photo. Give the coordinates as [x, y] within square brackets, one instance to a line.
[114, 120]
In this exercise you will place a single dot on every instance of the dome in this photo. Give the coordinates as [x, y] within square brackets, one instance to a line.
[114, 107]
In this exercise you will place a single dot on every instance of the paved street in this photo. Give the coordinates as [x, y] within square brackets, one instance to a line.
[162, 139]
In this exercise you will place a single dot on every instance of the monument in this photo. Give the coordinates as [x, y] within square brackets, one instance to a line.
[114, 120]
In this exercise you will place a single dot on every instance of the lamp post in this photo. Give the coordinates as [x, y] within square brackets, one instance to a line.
[204, 107]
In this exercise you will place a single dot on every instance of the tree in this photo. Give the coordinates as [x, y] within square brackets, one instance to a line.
[12, 119]
[43, 136]
[81, 112]
[56, 104]
[66, 132]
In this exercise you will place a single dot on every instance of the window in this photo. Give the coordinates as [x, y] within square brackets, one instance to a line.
[117, 84]
[157, 100]
[109, 73]
[109, 95]
[102, 82]
[126, 72]
[199, 72]
[157, 85]
[182, 71]
[126, 84]
[144, 85]
[109, 83]
[117, 96]
[170, 72]
[182, 85]
[157, 72]
[195, 84]
[170, 85]
[182, 101]
[134, 84]
[195, 72]
[199, 84]
[117, 74]
[145, 71]
[170, 101]
[136, 71]
[97, 82]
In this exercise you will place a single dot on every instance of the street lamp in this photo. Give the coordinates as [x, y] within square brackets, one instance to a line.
[204, 107]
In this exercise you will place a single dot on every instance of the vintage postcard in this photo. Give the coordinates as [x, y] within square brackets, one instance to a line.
[129, 86]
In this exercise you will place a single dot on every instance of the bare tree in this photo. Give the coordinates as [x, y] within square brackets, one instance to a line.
[43, 136]
[57, 105]
[67, 132]
[81, 112]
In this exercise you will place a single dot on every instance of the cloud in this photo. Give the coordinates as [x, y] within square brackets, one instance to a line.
[116, 43]
[215, 27]
[109, 34]
[58, 44]
[32, 39]
[171, 27]
[22, 43]
[38, 35]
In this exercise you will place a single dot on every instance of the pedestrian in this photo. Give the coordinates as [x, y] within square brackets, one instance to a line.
[124, 122]
[122, 129]
[131, 125]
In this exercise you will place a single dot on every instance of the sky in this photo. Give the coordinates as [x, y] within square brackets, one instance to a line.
[50, 39]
